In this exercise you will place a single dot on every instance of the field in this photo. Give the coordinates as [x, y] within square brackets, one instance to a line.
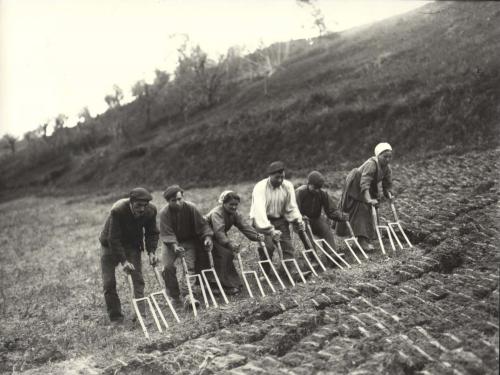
[429, 310]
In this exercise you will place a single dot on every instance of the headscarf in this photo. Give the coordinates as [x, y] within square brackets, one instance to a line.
[224, 194]
[381, 147]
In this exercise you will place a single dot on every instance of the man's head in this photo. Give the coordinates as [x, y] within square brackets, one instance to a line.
[139, 199]
[383, 152]
[276, 172]
[174, 195]
[315, 181]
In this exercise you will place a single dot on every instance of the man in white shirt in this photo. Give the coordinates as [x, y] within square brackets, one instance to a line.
[273, 207]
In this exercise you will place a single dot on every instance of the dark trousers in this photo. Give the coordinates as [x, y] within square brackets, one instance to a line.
[321, 229]
[192, 248]
[285, 242]
[109, 261]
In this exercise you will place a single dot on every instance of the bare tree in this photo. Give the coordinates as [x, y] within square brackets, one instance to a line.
[84, 115]
[11, 142]
[141, 90]
[59, 121]
[316, 13]
[114, 100]
[42, 129]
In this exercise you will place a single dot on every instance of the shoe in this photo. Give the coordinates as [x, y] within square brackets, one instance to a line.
[117, 319]
[232, 291]
[369, 247]
[215, 290]
[176, 301]
[187, 303]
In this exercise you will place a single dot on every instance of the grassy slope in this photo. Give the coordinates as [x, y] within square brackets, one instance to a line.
[423, 81]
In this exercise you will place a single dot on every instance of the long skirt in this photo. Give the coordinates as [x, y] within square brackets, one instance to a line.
[224, 266]
[360, 214]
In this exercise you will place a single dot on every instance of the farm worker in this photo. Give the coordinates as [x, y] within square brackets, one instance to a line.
[362, 190]
[273, 208]
[183, 232]
[221, 219]
[312, 200]
[130, 223]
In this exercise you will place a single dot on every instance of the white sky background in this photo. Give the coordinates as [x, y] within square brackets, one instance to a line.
[58, 56]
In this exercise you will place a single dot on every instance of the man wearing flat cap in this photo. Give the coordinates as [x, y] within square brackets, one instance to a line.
[312, 200]
[273, 208]
[183, 232]
[130, 223]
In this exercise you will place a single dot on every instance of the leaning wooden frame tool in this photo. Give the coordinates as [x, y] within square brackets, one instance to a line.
[396, 223]
[354, 240]
[379, 228]
[285, 266]
[190, 288]
[137, 311]
[244, 274]
[271, 265]
[319, 245]
[163, 293]
[309, 250]
[217, 281]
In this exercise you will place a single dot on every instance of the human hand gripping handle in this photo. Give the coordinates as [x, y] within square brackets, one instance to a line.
[300, 225]
[179, 250]
[208, 244]
[153, 259]
[128, 267]
[276, 235]
[369, 199]
[344, 216]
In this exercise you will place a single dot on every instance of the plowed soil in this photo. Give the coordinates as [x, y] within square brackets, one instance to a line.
[432, 309]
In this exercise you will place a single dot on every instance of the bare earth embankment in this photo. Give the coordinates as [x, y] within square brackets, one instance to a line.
[430, 310]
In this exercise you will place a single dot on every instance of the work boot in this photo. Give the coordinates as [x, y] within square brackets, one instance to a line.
[365, 244]
[118, 319]
[232, 291]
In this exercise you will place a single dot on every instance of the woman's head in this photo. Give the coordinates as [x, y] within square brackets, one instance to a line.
[230, 201]
[383, 152]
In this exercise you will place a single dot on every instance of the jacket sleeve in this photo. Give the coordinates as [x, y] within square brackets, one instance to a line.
[298, 197]
[292, 212]
[387, 181]
[331, 211]
[201, 227]
[368, 171]
[115, 236]
[218, 227]
[258, 208]
[151, 233]
[245, 228]
[167, 234]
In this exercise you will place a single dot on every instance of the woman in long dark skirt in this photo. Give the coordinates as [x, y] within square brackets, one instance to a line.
[362, 191]
[221, 219]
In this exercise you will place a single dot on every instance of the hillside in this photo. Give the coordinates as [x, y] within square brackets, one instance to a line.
[424, 81]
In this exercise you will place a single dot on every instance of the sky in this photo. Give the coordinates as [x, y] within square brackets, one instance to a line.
[58, 56]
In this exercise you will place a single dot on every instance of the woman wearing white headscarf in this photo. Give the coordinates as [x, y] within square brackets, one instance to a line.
[362, 190]
[221, 219]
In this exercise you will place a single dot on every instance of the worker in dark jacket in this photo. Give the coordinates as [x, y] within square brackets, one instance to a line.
[131, 222]
[184, 232]
[312, 200]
